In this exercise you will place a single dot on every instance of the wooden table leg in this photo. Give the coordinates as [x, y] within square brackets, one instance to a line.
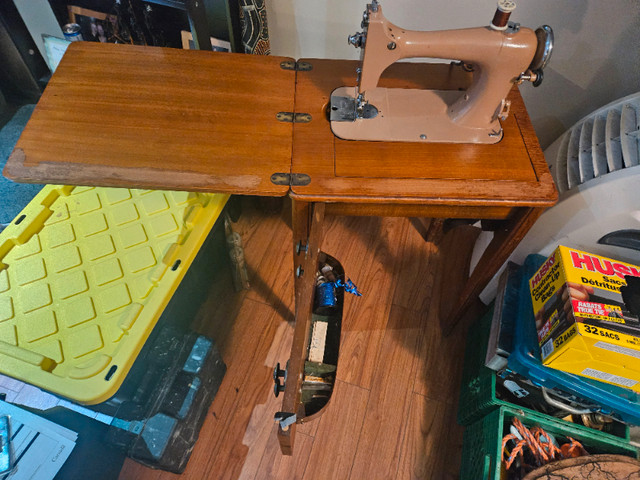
[307, 220]
[498, 251]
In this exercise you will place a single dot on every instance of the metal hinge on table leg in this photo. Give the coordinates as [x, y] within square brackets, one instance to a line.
[297, 66]
[278, 373]
[291, 179]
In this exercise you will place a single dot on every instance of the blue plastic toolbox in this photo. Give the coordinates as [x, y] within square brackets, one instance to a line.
[525, 360]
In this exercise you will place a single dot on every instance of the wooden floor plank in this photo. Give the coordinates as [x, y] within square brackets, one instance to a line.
[381, 437]
[132, 470]
[274, 465]
[309, 428]
[439, 372]
[416, 265]
[272, 279]
[335, 443]
[432, 441]
[365, 317]
[259, 434]
[457, 249]
[216, 317]
[251, 386]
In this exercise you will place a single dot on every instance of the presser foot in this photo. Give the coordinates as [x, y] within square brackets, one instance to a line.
[347, 109]
[405, 115]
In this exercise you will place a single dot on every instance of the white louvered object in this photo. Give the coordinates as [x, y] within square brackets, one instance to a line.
[612, 139]
[585, 153]
[596, 167]
[598, 146]
[630, 134]
[604, 141]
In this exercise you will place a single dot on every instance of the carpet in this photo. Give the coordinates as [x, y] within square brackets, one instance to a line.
[14, 196]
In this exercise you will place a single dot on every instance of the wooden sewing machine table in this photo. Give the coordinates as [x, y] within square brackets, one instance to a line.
[139, 117]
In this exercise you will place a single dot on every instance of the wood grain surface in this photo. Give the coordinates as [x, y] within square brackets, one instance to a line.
[307, 226]
[512, 172]
[124, 115]
[417, 210]
[390, 397]
[369, 258]
[392, 344]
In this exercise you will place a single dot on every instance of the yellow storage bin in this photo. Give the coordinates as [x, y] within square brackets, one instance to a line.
[85, 274]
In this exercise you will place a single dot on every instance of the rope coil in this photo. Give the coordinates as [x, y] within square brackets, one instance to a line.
[539, 444]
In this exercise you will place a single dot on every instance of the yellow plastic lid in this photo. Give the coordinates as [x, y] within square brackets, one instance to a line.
[85, 274]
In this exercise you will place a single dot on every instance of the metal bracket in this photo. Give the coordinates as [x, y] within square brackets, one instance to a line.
[297, 66]
[278, 373]
[291, 179]
[301, 247]
[293, 117]
[505, 106]
[285, 419]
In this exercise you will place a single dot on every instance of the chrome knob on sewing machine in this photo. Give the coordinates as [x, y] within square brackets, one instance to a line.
[500, 55]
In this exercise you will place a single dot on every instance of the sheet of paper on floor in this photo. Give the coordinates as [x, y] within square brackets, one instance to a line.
[40, 447]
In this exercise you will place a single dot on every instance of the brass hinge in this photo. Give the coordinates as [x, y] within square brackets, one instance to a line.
[291, 179]
[297, 66]
[293, 117]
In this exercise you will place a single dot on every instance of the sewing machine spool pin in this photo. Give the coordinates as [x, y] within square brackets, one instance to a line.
[501, 55]
[503, 12]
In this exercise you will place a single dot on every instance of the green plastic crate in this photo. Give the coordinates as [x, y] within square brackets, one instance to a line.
[482, 442]
[478, 390]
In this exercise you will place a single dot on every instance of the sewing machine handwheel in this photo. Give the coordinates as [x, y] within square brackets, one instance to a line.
[539, 78]
[544, 34]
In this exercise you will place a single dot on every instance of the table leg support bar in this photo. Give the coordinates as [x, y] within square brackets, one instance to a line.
[307, 241]
[504, 242]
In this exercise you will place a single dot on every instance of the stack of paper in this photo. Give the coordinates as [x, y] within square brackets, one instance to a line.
[39, 447]
[20, 393]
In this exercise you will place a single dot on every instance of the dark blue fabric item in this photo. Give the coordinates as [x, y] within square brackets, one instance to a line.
[14, 196]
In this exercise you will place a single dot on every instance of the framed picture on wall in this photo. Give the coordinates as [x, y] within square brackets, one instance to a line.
[216, 45]
[94, 26]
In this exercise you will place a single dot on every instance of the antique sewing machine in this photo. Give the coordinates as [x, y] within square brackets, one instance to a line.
[500, 55]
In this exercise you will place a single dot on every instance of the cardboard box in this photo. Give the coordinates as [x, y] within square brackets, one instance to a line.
[583, 324]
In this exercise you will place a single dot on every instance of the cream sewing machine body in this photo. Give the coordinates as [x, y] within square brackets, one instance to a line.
[500, 55]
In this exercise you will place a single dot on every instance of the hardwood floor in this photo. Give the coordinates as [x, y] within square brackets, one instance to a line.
[393, 411]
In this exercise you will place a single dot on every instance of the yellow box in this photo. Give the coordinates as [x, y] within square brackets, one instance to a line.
[583, 324]
[85, 274]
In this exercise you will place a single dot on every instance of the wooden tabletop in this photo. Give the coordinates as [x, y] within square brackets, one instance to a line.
[510, 173]
[131, 116]
[145, 117]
